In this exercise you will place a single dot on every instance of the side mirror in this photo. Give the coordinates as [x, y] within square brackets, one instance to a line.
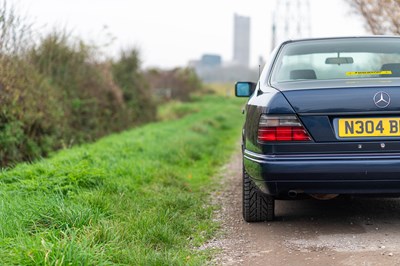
[244, 89]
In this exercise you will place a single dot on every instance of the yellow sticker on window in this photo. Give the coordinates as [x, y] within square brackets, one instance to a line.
[357, 73]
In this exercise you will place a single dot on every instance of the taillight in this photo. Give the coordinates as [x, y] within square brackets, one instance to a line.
[281, 128]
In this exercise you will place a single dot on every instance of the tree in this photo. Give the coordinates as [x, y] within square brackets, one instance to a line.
[381, 16]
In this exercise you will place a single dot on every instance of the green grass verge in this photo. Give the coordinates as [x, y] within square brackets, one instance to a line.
[135, 198]
[222, 89]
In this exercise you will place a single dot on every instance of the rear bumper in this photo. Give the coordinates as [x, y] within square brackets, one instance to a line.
[332, 174]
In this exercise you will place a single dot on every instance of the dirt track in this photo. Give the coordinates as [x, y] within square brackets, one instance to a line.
[357, 231]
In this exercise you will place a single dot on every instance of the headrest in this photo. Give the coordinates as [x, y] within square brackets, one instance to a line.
[303, 74]
[394, 67]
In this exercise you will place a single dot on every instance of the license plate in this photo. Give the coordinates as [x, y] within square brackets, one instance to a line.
[369, 127]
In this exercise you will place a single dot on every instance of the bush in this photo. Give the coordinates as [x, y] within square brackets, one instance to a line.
[136, 93]
[56, 93]
[176, 84]
[91, 100]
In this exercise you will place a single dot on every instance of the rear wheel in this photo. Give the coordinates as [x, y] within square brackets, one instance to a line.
[257, 206]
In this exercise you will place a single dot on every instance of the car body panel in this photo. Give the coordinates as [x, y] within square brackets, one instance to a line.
[355, 100]
[354, 174]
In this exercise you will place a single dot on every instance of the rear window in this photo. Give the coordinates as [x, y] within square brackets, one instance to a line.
[338, 59]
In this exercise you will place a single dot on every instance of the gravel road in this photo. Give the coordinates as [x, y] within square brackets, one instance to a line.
[343, 231]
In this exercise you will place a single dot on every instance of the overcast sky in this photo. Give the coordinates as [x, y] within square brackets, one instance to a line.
[170, 33]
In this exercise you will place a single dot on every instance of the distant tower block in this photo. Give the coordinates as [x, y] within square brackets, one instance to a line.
[291, 20]
[241, 40]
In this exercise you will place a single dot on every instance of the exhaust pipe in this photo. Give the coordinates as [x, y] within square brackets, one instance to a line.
[292, 193]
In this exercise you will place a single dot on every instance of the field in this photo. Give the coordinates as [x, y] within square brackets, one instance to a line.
[134, 198]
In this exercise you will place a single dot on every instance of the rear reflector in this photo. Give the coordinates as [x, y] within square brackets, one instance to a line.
[281, 128]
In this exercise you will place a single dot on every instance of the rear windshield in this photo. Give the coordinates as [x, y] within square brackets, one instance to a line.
[338, 59]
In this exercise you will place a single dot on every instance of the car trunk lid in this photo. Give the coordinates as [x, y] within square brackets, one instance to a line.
[331, 110]
[342, 97]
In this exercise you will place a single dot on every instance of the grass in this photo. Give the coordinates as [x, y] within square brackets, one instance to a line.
[175, 110]
[135, 198]
[222, 89]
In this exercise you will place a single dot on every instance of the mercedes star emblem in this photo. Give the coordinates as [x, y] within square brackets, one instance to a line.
[381, 99]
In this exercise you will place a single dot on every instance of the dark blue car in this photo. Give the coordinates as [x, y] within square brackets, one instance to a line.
[323, 120]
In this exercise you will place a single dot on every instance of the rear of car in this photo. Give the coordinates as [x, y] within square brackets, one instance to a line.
[323, 120]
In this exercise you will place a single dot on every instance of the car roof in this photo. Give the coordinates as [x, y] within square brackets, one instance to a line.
[343, 37]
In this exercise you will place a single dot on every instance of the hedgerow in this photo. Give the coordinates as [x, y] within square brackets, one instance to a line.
[54, 92]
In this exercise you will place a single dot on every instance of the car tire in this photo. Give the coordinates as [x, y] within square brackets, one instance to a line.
[257, 206]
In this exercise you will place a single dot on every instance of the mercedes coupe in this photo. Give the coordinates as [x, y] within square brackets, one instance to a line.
[323, 120]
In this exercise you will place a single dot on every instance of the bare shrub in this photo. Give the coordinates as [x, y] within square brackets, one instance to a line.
[381, 16]
[176, 84]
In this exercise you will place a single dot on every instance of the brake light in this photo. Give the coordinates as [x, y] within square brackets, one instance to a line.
[281, 128]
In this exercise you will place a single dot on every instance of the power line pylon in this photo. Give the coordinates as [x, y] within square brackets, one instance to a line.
[291, 20]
